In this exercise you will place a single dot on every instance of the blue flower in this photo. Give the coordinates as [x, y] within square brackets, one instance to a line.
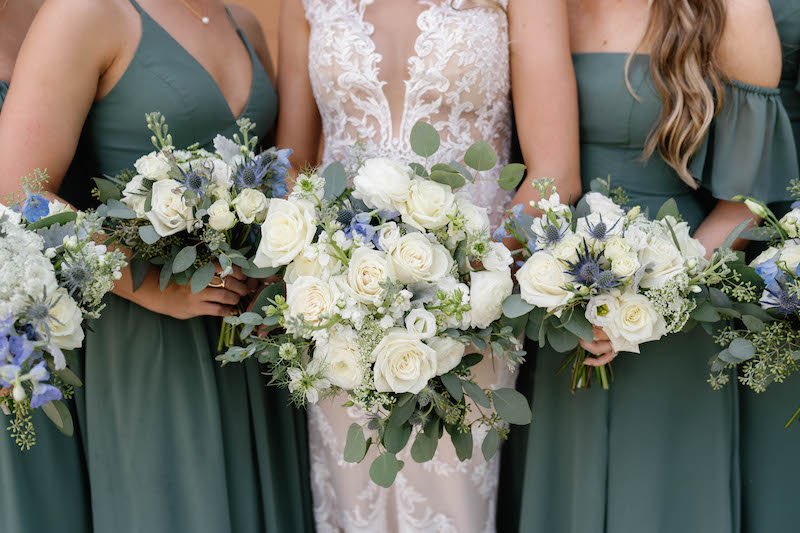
[500, 233]
[44, 393]
[35, 208]
[777, 297]
[587, 271]
[20, 349]
[360, 225]
[769, 271]
[600, 231]
[195, 181]
[266, 171]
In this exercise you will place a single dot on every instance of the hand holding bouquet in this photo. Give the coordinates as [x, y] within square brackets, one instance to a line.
[387, 286]
[54, 277]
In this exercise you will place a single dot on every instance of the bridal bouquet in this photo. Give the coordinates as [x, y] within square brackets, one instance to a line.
[54, 276]
[187, 211]
[764, 341]
[604, 266]
[388, 285]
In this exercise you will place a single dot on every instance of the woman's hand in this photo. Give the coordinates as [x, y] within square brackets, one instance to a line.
[601, 349]
[178, 301]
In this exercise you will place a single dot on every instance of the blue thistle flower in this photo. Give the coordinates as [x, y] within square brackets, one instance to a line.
[35, 207]
[76, 275]
[600, 231]
[251, 173]
[777, 297]
[587, 271]
[195, 181]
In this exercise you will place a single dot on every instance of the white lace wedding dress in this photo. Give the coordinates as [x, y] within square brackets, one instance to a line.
[377, 67]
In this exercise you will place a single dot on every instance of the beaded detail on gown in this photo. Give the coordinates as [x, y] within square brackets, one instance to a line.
[455, 77]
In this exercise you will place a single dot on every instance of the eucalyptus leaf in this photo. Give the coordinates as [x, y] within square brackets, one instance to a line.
[424, 448]
[69, 377]
[736, 233]
[384, 469]
[425, 139]
[760, 233]
[107, 190]
[511, 176]
[395, 438]
[117, 209]
[402, 410]
[462, 442]
[335, 180]
[453, 179]
[669, 208]
[705, 312]
[755, 311]
[148, 234]
[512, 406]
[477, 394]
[64, 217]
[184, 259]
[267, 295]
[514, 306]
[561, 339]
[719, 298]
[452, 383]
[753, 324]
[355, 447]
[600, 185]
[165, 276]
[576, 323]
[481, 156]
[139, 270]
[250, 318]
[202, 277]
[470, 360]
[742, 349]
[491, 443]
[419, 170]
[58, 412]
[259, 273]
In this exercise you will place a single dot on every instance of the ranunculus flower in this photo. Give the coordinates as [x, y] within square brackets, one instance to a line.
[220, 216]
[388, 235]
[153, 166]
[169, 213]
[403, 363]
[288, 228]
[449, 353]
[414, 258]
[382, 183]
[542, 281]
[251, 206]
[428, 205]
[487, 292]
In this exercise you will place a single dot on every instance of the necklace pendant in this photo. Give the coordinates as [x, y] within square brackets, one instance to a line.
[205, 20]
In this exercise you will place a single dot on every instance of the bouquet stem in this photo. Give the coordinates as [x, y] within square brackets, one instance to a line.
[581, 374]
[227, 336]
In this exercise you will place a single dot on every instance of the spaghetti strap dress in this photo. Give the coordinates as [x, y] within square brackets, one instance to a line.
[175, 442]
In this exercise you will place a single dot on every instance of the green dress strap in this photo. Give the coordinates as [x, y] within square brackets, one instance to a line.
[750, 149]
[3, 91]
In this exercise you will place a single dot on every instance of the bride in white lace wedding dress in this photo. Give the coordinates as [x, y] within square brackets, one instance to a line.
[374, 69]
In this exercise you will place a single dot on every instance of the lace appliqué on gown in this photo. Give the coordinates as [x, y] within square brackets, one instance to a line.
[458, 81]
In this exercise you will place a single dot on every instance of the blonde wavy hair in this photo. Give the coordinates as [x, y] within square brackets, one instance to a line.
[684, 38]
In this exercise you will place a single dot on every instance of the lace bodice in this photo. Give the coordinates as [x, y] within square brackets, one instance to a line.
[457, 79]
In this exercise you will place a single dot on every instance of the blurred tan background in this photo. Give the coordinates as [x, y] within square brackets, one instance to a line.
[268, 12]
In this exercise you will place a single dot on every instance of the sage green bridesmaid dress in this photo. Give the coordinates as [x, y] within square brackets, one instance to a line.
[176, 443]
[770, 453]
[658, 453]
[46, 487]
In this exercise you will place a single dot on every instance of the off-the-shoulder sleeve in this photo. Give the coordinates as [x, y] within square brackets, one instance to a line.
[750, 149]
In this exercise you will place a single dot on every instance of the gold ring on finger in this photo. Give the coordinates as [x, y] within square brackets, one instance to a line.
[217, 282]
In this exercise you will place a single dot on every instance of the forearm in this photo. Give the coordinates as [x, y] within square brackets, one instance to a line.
[722, 220]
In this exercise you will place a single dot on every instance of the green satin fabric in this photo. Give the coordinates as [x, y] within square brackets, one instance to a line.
[175, 442]
[45, 488]
[770, 462]
[659, 451]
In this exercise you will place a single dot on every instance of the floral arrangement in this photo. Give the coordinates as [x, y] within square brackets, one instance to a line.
[54, 277]
[192, 213]
[604, 266]
[763, 341]
[388, 285]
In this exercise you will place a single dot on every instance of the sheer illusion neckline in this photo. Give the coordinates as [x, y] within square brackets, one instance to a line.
[398, 129]
[144, 15]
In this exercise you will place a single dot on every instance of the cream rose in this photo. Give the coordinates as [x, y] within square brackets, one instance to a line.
[542, 281]
[366, 274]
[403, 363]
[388, 235]
[690, 248]
[498, 258]
[487, 292]
[220, 216]
[64, 322]
[414, 258]
[169, 213]
[615, 247]
[635, 322]
[311, 298]
[791, 223]
[421, 323]
[288, 228]
[603, 205]
[153, 166]
[134, 195]
[305, 266]
[790, 255]
[476, 219]
[625, 265]
[662, 261]
[340, 359]
[429, 205]
[382, 183]
[449, 353]
[567, 248]
[251, 206]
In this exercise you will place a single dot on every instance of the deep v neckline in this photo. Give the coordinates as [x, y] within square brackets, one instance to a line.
[206, 72]
[368, 30]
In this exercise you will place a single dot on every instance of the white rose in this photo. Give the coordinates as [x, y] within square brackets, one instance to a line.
[169, 213]
[388, 235]
[134, 195]
[64, 322]
[366, 274]
[498, 258]
[311, 298]
[616, 247]
[449, 353]
[635, 322]
[220, 216]
[603, 205]
[476, 219]
[227, 149]
[382, 183]
[690, 247]
[662, 261]
[765, 256]
[791, 223]
[790, 255]
[567, 248]
[304, 266]
[288, 228]
[635, 238]
[55, 207]
[625, 265]
[340, 359]
[251, 206]
[428, 205]
[221, 174]
[403, 363]
[414, 258]
[487, 292]
[541, 281]
[421, 323]
[153, 166]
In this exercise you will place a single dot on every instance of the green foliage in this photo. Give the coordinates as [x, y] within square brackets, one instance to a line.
[425, 139]
[480, 156]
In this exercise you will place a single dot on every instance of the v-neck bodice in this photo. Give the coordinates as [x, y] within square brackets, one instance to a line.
[162, 76]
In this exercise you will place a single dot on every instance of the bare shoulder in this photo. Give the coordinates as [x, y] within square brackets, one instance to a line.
[750, 49]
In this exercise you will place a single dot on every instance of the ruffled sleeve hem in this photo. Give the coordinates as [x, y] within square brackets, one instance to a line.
[750, 149]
